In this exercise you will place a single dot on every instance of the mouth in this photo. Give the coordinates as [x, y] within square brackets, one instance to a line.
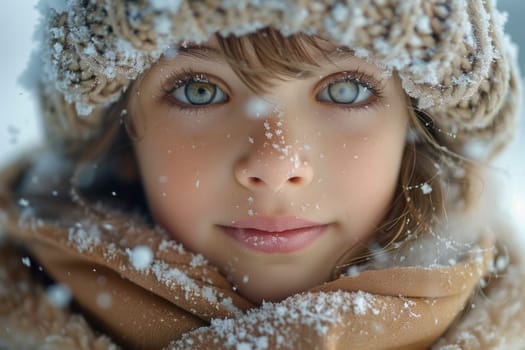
[275, 234]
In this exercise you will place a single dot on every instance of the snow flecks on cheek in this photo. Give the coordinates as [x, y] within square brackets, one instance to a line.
[197, 182]
[251, 211]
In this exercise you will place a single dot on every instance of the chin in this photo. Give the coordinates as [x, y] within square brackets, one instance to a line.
[267, 291]
[274, 285]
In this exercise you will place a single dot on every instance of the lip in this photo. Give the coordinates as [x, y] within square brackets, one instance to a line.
[275, 234]
[274, 224]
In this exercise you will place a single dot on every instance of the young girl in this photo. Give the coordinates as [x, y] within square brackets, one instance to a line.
[264, 175]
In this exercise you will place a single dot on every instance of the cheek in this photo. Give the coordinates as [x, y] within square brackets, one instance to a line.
[178, 178]
[364, 176]
[370, 167]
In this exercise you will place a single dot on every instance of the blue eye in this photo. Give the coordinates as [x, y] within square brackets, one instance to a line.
[344, 91]
[194, 92]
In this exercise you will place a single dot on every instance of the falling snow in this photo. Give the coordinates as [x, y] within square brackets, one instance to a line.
[426, 188]
[23, 202]
[58, 295]
[104, 300]
[86, 236]
[26, 261]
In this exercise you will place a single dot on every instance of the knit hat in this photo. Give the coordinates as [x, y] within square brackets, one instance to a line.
[451, 55]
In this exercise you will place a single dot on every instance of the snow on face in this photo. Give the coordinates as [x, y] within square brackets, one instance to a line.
[293, 154]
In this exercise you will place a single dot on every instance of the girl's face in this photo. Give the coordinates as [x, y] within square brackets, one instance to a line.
[275, 190]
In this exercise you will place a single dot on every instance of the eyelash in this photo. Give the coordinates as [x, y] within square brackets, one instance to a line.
[178, 79]
[376, 87]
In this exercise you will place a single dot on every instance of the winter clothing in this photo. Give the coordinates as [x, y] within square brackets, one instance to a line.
[453, 61]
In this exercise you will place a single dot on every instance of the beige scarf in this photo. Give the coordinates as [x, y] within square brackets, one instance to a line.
[406, 308]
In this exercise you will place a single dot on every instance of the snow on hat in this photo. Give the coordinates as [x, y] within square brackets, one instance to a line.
[451, 55]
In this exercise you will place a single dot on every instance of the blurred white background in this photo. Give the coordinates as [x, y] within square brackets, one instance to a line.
[20, 129]
[19, 126]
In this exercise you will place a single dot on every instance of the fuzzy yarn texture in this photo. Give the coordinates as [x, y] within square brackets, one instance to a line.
[452, 56]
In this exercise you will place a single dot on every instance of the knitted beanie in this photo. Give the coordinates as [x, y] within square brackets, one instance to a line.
[451, 55]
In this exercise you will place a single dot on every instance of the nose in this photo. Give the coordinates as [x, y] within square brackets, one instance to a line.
[274, 166]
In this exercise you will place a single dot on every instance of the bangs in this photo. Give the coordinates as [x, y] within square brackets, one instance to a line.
[267, 55]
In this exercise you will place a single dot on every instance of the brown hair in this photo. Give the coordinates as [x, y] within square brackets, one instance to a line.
[266, 55]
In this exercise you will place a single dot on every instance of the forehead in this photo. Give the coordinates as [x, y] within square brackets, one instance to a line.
[306, 53]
